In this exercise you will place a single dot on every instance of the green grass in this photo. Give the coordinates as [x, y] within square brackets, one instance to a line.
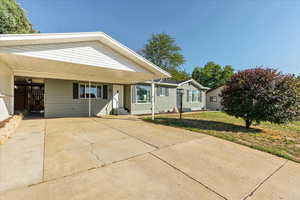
[282, 140]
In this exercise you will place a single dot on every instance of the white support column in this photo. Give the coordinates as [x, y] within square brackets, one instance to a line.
[89, 98]
[152, 99]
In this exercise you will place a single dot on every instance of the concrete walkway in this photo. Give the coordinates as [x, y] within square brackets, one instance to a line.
[94, 158]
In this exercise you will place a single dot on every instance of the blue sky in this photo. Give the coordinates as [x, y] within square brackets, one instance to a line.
[240, 33]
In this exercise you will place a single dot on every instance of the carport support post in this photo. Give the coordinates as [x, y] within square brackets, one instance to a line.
[152, 99]
[89, 98]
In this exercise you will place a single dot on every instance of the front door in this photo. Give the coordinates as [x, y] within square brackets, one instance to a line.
[118, 96]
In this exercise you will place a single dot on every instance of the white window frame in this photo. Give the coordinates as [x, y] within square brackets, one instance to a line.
[213, 99]
[197, 95]
[86, 86]
[136, 95]
[162, 91]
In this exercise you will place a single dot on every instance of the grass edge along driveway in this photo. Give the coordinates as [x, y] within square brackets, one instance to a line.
[280, 140]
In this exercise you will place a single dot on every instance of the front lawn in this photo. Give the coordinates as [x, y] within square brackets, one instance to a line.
[280, 140]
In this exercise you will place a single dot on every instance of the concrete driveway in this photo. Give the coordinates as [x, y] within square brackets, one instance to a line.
[95, 158]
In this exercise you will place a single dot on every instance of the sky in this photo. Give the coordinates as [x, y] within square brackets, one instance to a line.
[241, 33]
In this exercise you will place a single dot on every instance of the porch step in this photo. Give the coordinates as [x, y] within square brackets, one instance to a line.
[121, 111]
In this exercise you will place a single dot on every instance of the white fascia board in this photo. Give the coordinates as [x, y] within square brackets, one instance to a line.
[136, 56]
[159, 83]
[195, 82]
[48, 38]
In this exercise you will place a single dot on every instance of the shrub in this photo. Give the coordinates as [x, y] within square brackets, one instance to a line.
[261, 94]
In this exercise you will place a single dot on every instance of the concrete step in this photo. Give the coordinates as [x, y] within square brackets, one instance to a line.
[121, 111]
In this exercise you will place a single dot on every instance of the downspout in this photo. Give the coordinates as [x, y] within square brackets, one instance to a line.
[152, 99]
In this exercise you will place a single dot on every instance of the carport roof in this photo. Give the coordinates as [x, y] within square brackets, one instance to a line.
[139, 69]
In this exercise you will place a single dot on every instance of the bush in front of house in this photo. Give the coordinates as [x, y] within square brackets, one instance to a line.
[261, 94]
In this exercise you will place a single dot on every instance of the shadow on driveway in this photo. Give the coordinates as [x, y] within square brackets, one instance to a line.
[204, 125]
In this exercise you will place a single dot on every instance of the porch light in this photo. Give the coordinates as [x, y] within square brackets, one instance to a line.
[181, 92]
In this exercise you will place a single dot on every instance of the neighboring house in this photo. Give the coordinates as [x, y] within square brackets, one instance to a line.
[213, 99]
[71, 74]
[167, 99]
[193, 96]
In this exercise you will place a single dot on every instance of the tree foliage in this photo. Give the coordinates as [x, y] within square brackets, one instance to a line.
[179, 74]
[13, 18]
[212, 75]
[162, 50]
[261, 95]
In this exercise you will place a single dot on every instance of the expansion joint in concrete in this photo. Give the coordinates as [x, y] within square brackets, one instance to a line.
[251, 193]
[187, 175]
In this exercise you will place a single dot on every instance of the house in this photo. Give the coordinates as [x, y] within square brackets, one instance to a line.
[213, 99]
[71, 74]
[166, 96]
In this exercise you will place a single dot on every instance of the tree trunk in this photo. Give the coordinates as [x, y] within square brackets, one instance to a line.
[248, 123]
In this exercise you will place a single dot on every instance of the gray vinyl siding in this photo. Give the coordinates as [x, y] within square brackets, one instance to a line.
[59, 101]
[162, 103]
[189, 105]
[214, 105]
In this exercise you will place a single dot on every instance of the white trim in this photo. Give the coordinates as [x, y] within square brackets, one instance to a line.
[194, 82]
[162, 91]
[136, 96]
[143, 103]
[92, 84]
[42, 38]
[160, 83]
[197, 92]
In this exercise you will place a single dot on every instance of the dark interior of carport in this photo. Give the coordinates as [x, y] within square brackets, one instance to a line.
[29, 96]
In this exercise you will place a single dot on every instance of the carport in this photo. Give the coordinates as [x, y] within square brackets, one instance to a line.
[82, 57]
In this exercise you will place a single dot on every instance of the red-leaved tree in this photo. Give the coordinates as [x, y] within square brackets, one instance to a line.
[261, 94]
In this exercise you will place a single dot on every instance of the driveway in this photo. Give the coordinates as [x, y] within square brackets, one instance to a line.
[96, 158]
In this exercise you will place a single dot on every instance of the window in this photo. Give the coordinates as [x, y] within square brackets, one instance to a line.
[143, 94]
[213, 99]
[99, 91]
[82, 91]
[95, 91]
[162, 91]
[194, 96]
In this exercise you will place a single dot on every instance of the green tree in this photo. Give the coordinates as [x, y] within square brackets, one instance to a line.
[179, 75]
[162, 50]
[261, 95]
[13, 18]
[212, 75]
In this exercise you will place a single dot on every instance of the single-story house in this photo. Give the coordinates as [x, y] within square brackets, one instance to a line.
[213, 99]
[73, 74]
[166, 96]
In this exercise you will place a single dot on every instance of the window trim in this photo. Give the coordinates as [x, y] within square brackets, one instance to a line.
[86, 85]
[162, 91]
[213, 97]
[136, 96]
[197, 99]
